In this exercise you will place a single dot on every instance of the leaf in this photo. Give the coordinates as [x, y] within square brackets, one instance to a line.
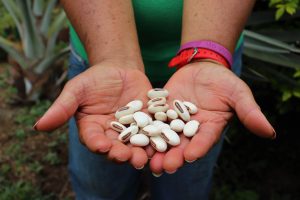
[286, 60]
[273, 2]
[297, 74]
[280, 6]
[38, 7]
[286, 96]
[290, 10]
[296, 94]
[264, 48]
[269, 40]
[48, 61]
[15, 13]
[279, 13]
[12, 50]
[59, 22]
[32, 43]
[47, 17]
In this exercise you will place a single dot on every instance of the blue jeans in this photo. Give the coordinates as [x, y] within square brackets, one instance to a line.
[93, 177]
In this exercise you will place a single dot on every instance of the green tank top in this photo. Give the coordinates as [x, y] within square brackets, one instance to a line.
[159, 30]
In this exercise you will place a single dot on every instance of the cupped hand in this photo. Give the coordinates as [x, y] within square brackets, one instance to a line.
[93, 97]
[218, 94]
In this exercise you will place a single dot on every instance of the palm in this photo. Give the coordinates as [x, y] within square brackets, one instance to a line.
[93, 97]
[215, 91]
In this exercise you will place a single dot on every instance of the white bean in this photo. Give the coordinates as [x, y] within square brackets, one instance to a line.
[150, 120]
[158, 143]
[158, 108]
[127, 119]
[172, 114]
[126, 110]
[158, 100]
[141, 119]
[177, 125]
[162, 126]
[157, 92]
[117, 126]
[170, 136]
[151, 130]
[192, 108]
[139, 140]
[133, 124]
[191, 128]
[127, 133]
[161, 116]
[137, 105]
[157, 122]
[181, 110]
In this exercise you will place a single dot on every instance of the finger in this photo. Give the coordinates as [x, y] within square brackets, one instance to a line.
[208, 134]
[174, 157]
[61, 110]
[119, 151]
[250, 114]
[92, 135]
[139, 157]
[156, 163]
[150, 151]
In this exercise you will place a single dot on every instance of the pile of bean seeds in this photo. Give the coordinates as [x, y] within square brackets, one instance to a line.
[140, 129]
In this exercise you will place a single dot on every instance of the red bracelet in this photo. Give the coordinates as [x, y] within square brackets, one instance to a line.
[188, 55]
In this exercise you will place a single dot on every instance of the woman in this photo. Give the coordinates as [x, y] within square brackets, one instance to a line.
[124, 47]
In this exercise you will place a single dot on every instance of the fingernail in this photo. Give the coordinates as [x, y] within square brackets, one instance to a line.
[156, 175]
[274, 134]
[103, 151]
[139, 168]
[121, 160]
[190, 161]
[172, 172]
[36, 123]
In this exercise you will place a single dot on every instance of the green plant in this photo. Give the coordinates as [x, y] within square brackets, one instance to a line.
[276, 62]
[52, 158]
[21, 190]
[226, 192]
[6, 20]
[284, 6]
[28, 115]
[38, 23]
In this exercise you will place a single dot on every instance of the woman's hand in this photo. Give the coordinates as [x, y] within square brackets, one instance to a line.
[94, 96]
[218, 94]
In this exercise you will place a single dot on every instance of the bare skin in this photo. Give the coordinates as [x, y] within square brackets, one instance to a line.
[218, 93]
[94, 96]
[116, 76]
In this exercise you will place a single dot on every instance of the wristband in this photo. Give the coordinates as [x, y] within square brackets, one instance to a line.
[207, 44]
[188, 55]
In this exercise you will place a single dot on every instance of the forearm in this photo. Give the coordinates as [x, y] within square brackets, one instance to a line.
[221, 21]
[106, 28]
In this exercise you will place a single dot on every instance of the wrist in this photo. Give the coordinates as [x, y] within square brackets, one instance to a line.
[207, 60]
[199, 51]
[124, 62]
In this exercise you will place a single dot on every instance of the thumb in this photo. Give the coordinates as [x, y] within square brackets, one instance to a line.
[249, 112]
[60, 111]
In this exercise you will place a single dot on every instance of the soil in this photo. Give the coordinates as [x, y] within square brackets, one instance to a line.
[51, 179]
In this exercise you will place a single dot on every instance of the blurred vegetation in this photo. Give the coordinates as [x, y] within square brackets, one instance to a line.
[33, 165]
[29, 33]
[284, 6]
